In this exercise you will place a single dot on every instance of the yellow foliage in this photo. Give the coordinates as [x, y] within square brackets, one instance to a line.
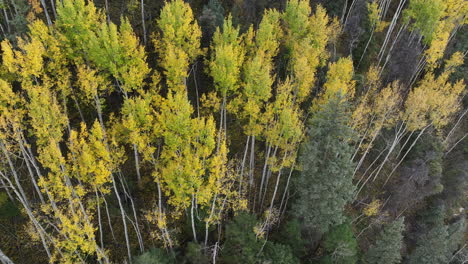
[339, 81]
[434, 100]
[227, 58]
[373, 208]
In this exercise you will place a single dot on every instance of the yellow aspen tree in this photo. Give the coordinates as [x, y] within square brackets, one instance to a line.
[118, 51]
[283, 133]
[89, 39]
[435, 99]
[73, 220]
[225, 65]
[187, 143]
[12, 115]
[339, 81]
[431, 103]
[376, 109]
[257, 81]
[77, 21]
[436, 20]
[380, 109]
[306, 39]
[220, 189]
[55, 69]
[177, 42]
[89, 159]
[75, 235]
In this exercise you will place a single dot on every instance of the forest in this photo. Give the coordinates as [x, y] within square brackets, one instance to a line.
[233, 131]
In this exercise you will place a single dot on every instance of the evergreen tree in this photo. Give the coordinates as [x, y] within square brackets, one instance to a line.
[242, 244]
[340, 245]
[456, 233]
[279, 254]
[325, 183]
[387, 247]
[154, 256]
[432, 247]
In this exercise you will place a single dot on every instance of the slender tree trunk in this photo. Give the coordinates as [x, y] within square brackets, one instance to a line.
[349, 13]
[137, 163]
[39, 228]
[108, 217]
[31, 173]
[124, 222]
[101, 236]
[4, 259]
[390, 29]
[193, 220]
[207, 225]
[44, 7]
[276, 189]
[268, 176]
[53, 9]
[406, 153]
[252, 161]
[265, 165]
[14, 173]
[106, 3]
[137, 228]
[287, 186]
[143, 23]
[241, 177]
[399, 135]
[7, 20]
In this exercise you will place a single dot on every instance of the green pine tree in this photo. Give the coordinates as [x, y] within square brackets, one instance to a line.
[432, 247]
[325, 183]
[387, 247]
[340, 245]
[242, 244]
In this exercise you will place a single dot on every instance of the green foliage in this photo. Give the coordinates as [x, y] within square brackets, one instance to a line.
[241, 245]
[194, 254]
[278, 254]
[155, 256]
[425, 15]
[456, 233]
[340, 245]
[227, 58]
[387, 247]
[291, 234]
[432, 247]
[69, 172]
[325, 183]
[212, 17]
[7, 208]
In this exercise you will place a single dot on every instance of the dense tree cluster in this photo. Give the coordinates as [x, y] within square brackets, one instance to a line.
[233, 131]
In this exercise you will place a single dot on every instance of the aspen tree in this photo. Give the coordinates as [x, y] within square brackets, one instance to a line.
[177, 42]
[257, 82]
[376, 110]
[75, 235]
[306, 39]
[11, 115]
[436, 21]
[220, 189]
[77, 21]
[283, 135]
[431, 103]
[425, 16]
[187, 143]
[118, 51]
[225, 66]
[339, 81]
